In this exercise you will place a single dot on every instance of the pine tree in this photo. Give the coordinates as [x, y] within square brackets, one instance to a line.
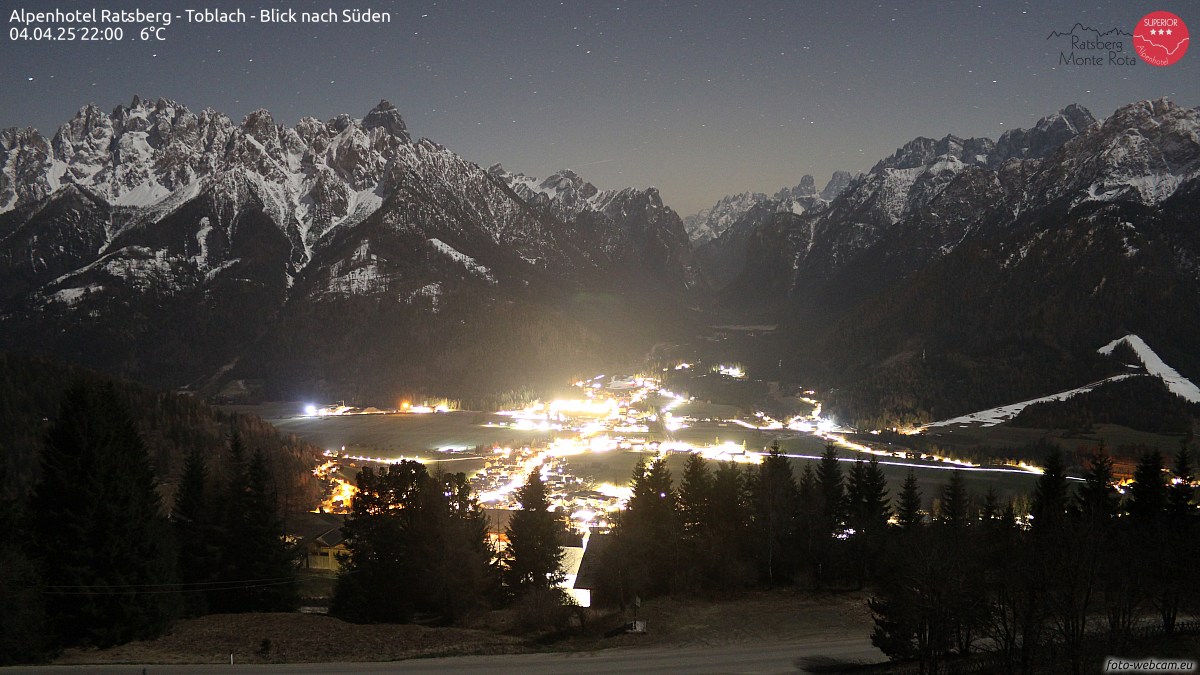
[728, 563]
[266, 555]
[1182, 492]
[869, 506]
[382, 577]
[908, 509]
[196, 534]
[811, 540]
[774, 496]
[648, 531]
[695, 496]
[955, 508]
[1148, 494]
[868, 513]
[534, 558]
[1097, 500]
[832, 491]
[463, 537]
[101, 539]
[257, 571]
[1051, 494]
[990, 513]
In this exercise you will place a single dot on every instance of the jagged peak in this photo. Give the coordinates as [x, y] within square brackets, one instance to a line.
[386, 116]
[923, 150]
[1148, 108]
[14, 136]
[837, 184]
[258, 116]
[566, 179]
[341, 123]
[260, 125]
[806, 188]
[89, 110]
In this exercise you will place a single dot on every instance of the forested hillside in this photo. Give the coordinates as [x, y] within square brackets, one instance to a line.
[170, 425]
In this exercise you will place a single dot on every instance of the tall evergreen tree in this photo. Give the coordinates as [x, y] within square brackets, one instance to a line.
[102, 541]
[908, 507]
[229, 525]
[256, 573]
[729, 563]
[1182, 492]
[1097, 500]
[534, 558]
[867, 497]
[832, 491]
[1051, 494]
[955, 508]
[867, 516]
[196, 534]
[991, 511]
[265, 554]
[695, 496]
[774, 496]
[1148, 494]
[382, 578]
[648, 531]
[474, 578]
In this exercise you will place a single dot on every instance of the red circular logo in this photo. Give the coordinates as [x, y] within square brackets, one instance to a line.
[1160, 38]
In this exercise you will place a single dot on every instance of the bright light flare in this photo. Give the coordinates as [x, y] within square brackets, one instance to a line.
[731, 370]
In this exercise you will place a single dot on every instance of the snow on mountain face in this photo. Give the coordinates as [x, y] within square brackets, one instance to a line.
[623, 227]
[463, 259]
[158, 242]
[153, 200]
[28, 171]
[1143, 153]
[1021, 166]
[709, 223]
[1048, 135]
[154, 155]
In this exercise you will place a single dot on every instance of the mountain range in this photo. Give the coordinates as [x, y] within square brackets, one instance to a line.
[185, 249]
[345, 258]
[961, 273]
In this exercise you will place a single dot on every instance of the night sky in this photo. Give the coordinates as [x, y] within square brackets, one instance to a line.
[700, 99]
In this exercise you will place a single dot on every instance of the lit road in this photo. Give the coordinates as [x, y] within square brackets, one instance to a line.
[775, 657]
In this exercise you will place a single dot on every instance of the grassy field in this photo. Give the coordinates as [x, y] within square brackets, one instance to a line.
[783, 614]
[751, 618]
[295, 638]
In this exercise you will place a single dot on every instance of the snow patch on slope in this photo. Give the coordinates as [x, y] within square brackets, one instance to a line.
[1004, 413]
[463, 259]
[358, 281]
[1178, 384]
[70, 296]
